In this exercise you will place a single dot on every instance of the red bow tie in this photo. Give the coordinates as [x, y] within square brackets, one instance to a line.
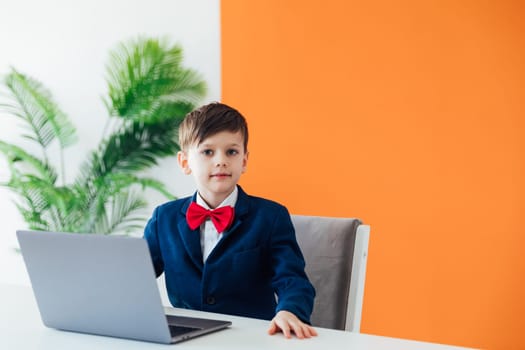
[221, 217]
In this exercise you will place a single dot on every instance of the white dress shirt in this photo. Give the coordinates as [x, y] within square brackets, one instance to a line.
[209, 235]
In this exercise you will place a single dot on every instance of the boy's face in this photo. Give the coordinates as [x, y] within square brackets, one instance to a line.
[216, 164]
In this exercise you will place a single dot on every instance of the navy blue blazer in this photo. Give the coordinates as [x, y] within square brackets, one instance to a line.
[257, 257]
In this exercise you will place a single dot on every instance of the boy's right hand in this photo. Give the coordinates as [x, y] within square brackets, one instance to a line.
[287, 323]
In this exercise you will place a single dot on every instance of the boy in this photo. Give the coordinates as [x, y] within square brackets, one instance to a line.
[222, 250]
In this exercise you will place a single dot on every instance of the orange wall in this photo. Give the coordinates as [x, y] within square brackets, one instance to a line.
[410, 115]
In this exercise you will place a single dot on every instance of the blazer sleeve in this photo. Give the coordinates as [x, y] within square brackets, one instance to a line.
[294, 291]
[151, 236]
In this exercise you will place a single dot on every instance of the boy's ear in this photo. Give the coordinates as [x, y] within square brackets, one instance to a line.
[182, 159]
[245, 162]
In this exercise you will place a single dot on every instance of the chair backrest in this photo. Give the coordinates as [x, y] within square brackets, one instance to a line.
[335, 251]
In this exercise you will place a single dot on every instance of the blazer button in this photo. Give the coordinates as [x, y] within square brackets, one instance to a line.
[210, 300]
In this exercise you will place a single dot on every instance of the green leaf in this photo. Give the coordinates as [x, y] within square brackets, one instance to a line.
[144, 74]
[32, 164]
[134, 148]
[123, 214]
[34, 105]
[41, 202]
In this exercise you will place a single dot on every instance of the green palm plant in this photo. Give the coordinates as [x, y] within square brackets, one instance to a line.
[149, 92]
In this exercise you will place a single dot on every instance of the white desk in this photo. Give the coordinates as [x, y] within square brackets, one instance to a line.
[21, 328]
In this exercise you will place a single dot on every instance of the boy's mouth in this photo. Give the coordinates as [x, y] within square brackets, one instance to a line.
[220, 175]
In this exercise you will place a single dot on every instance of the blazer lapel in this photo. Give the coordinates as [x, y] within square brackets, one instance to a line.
[190, 238]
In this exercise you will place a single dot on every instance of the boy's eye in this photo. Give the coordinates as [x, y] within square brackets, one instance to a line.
[232, 152]
[207, 152]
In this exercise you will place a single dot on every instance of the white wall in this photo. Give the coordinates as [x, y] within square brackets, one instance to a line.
[64, 44]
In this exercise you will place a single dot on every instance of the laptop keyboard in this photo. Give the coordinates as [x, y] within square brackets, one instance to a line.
[176, 329]
[179, 330]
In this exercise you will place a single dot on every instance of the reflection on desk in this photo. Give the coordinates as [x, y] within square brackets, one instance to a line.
[21, 328]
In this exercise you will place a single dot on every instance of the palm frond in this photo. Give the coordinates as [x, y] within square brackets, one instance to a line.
[168, 110]
[187, 87]
[16, 155]
[117, 182]
[32, 218]
[143, 74]
[102, 190]
[42, 203]
[135, 148]
[33, 104]
[155, 185]
[123, 214]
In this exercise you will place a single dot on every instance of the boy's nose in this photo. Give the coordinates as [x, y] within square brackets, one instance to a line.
[220, 160]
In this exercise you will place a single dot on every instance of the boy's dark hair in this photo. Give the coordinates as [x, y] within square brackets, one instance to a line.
[209, 120]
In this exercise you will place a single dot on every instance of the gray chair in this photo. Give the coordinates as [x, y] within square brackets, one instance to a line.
[335, 251]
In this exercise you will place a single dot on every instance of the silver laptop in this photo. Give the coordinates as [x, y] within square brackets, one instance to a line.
[103, 285]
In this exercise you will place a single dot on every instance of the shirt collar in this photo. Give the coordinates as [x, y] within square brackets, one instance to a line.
[231, 200]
